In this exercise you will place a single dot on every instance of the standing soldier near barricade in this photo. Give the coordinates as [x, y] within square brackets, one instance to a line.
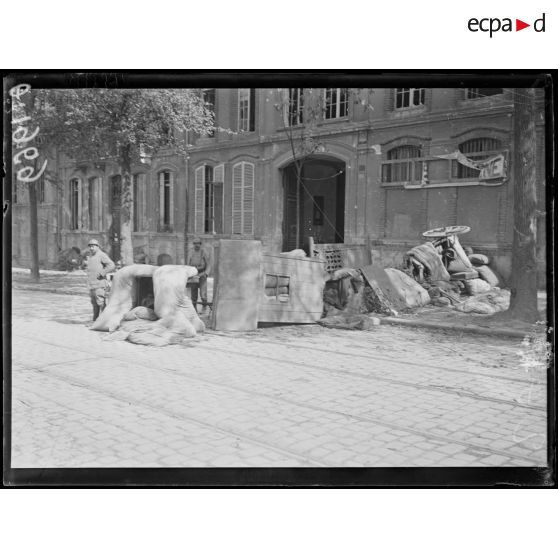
[98, 265]
[201, 261]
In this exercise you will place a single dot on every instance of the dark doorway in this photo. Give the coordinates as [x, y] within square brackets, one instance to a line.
[320, 192]
[144, 295]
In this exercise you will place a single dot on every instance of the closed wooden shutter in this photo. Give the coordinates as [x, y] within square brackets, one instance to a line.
[171, 199]
[161, 201]
[218, 181]
[243, 199]
[237, 199]
[248, 199]
[199, 200]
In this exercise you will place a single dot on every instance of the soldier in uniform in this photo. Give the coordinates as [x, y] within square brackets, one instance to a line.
[98, 265]
[201, 261]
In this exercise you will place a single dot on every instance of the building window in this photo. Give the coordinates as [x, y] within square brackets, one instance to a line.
[166, 200]
[243, 199]
[95, 204]
[476, 149]
[246, 110]
[481, 92]
[406, 98]
[209, 206]
[295, 110]
[404, 166]
[75, 197]
[208, 96]
[336, 101]
[138, 192]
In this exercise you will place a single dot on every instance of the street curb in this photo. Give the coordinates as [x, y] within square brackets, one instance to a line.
[500, 332]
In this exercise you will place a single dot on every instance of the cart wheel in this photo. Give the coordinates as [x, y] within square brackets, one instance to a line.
[446, 231]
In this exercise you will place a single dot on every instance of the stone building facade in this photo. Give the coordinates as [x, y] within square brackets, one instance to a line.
[376, 171]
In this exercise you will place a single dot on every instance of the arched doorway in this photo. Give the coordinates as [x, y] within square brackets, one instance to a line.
[314, 202]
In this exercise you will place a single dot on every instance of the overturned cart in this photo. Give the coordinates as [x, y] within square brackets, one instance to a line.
[148, 305]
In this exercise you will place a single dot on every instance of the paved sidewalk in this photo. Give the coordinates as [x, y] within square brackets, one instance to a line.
[294, 396]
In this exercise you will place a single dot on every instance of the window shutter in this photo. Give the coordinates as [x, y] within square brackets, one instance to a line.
[218, 181]
[219, 173]
[237, 199]
[161, 200]
[199, 199]
[80, 206]
[171, 200]
[248, 199]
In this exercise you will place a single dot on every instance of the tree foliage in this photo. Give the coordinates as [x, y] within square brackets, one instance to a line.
[123, 125]
[95, 123]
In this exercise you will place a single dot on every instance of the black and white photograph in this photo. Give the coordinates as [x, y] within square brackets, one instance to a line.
[287, 279]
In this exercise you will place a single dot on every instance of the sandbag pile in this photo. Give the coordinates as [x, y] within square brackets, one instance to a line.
[427, 258]
[140, 313]
[173, 317]
[480, 263]
[496, 300]
[122, 296]
[276, 287]
[412, 293]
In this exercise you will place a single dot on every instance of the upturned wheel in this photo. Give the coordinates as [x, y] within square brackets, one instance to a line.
[441, 232]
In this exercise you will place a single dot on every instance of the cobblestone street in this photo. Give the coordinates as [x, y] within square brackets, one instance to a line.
[293, 396]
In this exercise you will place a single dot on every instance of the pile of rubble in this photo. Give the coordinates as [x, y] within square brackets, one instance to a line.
[439, 272]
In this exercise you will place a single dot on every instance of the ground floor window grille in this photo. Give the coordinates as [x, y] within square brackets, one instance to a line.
[405, 167]
[477, 149]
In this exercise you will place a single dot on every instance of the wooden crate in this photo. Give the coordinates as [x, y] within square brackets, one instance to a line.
[240, 301]
[305, 280]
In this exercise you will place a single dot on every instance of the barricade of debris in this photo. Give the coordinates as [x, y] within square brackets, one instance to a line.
[439, 272]
[148, 305]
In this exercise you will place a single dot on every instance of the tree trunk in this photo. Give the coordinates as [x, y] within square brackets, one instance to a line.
[298, 202]
[127, 208]
[523, 283]
[34, 231]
